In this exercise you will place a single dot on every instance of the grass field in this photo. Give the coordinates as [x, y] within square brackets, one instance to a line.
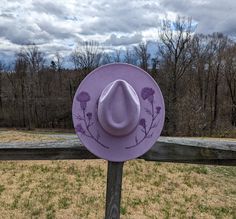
[76, 189]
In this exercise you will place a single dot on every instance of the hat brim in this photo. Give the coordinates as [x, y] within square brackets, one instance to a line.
[90, 132]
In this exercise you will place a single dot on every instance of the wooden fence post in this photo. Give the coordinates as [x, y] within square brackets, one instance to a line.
[113, 192]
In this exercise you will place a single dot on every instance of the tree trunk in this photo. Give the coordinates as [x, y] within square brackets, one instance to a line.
[216, 110]
[233, 115]
[174, 104]
[1, 93]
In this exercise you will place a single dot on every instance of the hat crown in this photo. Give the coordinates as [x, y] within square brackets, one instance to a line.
[118, 108]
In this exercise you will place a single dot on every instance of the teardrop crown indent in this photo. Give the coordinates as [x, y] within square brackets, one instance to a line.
[118, 108]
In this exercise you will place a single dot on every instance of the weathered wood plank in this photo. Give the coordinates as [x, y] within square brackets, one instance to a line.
[113, 193]
[46, 153]
[183, 150]
[181, 153]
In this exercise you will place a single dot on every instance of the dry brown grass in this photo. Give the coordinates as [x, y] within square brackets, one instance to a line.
[20, 136]
[76, 189]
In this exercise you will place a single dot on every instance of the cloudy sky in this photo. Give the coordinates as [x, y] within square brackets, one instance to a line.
[58, 25]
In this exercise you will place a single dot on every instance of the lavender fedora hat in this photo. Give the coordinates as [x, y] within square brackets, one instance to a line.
[118, 112]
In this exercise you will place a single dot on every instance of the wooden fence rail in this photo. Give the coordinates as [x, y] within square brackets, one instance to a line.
[167, 149]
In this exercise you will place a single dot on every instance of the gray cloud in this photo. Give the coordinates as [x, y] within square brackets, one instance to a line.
[49, 7]
[123, 40]
[121, 16]
[56, 31]
[22, 35]
[211, 15]
[7, 15]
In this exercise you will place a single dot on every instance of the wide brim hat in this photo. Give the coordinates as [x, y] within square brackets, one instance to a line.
[118, 112]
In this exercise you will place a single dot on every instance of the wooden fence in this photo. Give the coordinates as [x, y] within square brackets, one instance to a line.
[167, 149]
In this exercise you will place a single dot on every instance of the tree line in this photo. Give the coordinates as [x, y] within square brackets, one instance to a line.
[196, 73]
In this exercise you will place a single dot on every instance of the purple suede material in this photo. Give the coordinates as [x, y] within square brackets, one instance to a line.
[85, 112]
[119, 108]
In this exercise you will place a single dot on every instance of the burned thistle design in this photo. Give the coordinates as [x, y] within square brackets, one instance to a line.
[83, 98]
[142, 123]
[89, 116]
[79, 129]
[147, 93]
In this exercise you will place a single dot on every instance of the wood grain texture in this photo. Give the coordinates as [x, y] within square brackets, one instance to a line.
[196, 154]
[113, 193]
[167, 149]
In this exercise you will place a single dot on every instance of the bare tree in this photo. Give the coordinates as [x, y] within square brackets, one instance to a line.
[217, 45]
[33, 57]
[130, 56]
[59, 60]
[107, 58]
[230, 76]
[30, 61]
[22, 87]
[57, 66]
[117, 55]
[1, 69]
[143, 56]
[202, 66]
[174, 48]
[113, 56]
[87, 56]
